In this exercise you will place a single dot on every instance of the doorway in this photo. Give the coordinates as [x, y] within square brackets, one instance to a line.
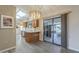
[55, 30]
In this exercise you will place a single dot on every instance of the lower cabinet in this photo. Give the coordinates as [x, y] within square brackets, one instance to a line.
[31, 37]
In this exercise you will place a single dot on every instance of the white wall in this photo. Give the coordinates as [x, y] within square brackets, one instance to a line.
[73, 28]
[41, 29]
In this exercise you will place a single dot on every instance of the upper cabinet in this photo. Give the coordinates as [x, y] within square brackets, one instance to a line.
[25, 24]
[35, 23]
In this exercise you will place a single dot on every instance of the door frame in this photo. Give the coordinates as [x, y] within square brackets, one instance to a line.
[64, 30]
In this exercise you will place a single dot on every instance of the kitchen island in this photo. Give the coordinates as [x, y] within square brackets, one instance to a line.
[31, 36]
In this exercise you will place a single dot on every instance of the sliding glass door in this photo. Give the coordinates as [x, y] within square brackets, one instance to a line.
[47, 30]
[55, 30]
[52, 30]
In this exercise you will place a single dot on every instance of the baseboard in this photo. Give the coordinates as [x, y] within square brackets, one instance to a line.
[7, 49]
[73, 49]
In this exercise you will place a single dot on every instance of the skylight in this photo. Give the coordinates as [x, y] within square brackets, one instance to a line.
[20, 14]
[17, 17]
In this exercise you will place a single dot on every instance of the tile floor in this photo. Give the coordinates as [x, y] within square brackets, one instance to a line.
[39, 47]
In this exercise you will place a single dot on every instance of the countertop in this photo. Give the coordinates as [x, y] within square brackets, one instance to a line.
[30, 30]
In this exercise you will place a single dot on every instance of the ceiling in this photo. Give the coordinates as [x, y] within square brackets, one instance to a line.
[46, 10]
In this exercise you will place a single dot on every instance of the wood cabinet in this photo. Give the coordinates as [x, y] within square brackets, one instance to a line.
[31, 37]
[35, 23]
[25, 24]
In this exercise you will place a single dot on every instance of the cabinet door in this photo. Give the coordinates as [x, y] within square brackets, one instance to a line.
[35, 23]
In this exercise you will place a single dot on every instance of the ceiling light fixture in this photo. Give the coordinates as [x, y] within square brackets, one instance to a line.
[35, 15]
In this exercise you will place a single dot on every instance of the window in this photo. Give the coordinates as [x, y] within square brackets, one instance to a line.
[20, 14]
